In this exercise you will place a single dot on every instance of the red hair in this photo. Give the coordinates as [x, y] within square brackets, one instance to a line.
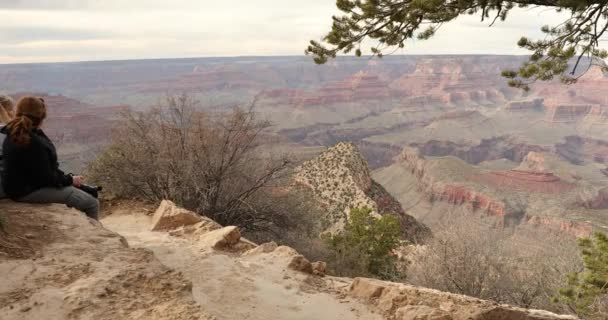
[30, 113]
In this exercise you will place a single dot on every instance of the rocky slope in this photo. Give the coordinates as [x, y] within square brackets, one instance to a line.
[66, 267]
[57, 264]
[340, 179]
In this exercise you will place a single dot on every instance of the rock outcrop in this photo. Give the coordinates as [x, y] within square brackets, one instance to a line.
[226, 239]
[169, 217]
[340, 179]
[69, 267]
[399, 301]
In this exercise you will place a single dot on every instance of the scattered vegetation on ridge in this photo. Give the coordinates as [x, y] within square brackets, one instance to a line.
[336, 178]
[586, 292]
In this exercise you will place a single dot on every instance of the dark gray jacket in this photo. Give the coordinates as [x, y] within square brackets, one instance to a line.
[2, 137]
[31, 167]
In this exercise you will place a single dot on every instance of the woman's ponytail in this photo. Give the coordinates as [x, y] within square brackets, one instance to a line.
[20, 129]
[31, 111]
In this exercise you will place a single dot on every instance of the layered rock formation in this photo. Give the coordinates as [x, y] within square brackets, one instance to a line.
[455, 81]
[566, 113]
[217, 77]
[458, 194]
[340, 179]
[529, 194]
[526, 181]
[580, 150]
[503, 147]
[361, 86]
[590, 89]
[525, 105]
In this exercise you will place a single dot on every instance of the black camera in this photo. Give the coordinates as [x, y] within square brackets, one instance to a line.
[92, 190]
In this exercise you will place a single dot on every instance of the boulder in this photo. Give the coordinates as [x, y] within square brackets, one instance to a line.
[421, 313]
[300, 263]
[170, 217]
[198, 229]
[263, 248]
[319, 268]
[221, 239]
[206, 225]
[283, 252]
[367, 289]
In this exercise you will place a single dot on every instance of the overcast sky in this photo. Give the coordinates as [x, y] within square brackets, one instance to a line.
[78, 30]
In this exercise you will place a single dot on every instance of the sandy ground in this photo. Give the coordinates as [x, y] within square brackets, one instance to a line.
[233, 286]
[56, 264]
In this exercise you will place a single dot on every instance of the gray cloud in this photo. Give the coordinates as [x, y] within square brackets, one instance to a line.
[19, 35]
[44, 4]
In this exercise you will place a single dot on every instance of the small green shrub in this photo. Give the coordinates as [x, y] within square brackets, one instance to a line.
[587, 292]
[366, 246]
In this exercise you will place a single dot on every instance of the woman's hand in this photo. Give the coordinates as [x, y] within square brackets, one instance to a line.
[77, 181]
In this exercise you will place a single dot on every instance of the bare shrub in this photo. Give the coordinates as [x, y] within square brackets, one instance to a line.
[305, 218]
[479, 260]
[217, 164]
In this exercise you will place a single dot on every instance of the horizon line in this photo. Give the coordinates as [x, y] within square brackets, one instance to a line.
[260, 56]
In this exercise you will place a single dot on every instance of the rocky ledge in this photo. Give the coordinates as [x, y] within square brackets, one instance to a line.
[60, 265]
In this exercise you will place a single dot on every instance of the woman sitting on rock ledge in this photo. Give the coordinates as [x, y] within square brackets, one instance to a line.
[31, 169]
[6, 115]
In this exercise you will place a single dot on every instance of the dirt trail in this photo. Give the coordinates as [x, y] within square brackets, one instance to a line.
[233, 286]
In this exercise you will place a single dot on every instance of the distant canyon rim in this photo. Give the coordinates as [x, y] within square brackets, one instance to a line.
[444, 135]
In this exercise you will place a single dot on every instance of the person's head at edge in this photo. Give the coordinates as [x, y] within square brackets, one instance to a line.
[29, 114]
[6, 109]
